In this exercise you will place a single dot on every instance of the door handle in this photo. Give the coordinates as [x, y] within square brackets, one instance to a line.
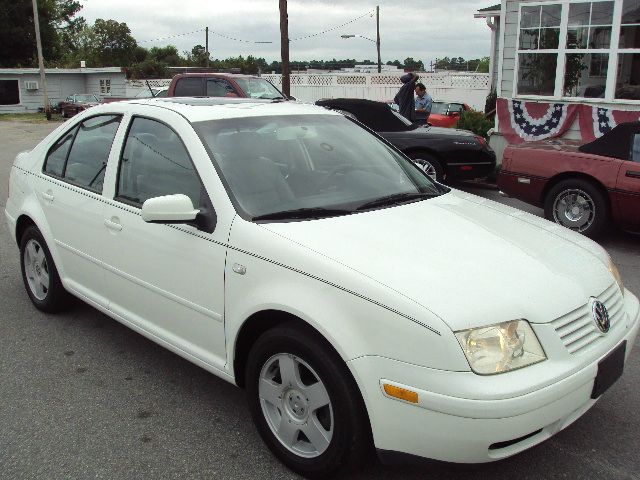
[633, 173]
[48, 196]
[113, 224]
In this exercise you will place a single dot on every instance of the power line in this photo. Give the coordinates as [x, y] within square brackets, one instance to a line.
[236, 39]
[172, 36]
[333, 28]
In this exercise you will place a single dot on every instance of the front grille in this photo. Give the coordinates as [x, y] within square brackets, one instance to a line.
[578, 330]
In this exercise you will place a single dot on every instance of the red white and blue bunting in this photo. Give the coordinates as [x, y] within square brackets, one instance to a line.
[522, 121]
[596, 121]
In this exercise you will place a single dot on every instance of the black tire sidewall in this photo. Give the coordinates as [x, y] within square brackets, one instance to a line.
[599, 200]
[351, 437]
[433, 161]
[56, 298]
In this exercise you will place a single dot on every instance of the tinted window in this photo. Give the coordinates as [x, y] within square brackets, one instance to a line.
[87, 160]
[189, 87]
[155, 162]
[634, 155]
[57, 155]
[219, 88]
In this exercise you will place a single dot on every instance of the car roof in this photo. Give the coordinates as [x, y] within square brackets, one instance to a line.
[200, 109]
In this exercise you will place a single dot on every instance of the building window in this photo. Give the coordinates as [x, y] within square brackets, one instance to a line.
[571, 50]
[105, 86]
[9, 92]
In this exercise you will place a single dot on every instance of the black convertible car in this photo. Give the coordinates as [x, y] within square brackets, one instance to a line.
[443, 153]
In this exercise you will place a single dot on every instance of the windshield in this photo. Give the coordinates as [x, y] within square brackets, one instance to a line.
[258, 88]
[439, 108]
[86, 98]
[309, 163]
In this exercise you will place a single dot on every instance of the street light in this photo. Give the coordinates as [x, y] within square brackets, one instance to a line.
[372, 41]
[377, 41]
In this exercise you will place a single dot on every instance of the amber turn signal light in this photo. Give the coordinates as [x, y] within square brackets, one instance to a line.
[400, 393]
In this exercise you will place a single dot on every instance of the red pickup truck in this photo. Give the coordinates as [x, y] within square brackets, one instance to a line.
[222, 85]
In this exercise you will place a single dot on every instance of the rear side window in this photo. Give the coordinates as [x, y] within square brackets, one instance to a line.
[80, 157]
[154, 163]
[188, 87]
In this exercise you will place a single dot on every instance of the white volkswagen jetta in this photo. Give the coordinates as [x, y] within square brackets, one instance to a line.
[286, 249]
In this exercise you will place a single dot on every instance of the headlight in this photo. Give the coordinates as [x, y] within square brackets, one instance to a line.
[500, 348]
[616, 274]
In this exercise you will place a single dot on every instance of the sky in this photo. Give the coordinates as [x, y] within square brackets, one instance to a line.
[422, 29]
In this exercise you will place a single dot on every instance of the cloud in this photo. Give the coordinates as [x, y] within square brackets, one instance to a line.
[421, 29]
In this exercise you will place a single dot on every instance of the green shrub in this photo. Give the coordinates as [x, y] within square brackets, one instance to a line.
[490, 103]
[475, 122]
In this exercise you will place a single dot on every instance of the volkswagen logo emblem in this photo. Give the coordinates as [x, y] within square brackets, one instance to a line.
[600, 316]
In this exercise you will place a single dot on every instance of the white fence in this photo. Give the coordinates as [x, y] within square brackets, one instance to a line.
[470, 88]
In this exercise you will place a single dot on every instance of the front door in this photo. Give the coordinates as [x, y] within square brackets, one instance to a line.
[166, 280]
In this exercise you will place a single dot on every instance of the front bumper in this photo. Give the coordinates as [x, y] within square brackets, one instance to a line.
[481, 428]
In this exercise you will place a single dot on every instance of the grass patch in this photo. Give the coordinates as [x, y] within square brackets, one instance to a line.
[29, 117]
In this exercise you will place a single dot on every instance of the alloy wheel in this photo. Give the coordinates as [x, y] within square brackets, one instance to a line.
[36, 269]
[574, 209]
[296, 405]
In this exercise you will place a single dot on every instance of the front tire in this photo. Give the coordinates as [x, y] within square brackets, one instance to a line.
[305, 403]
[578, 205]
[39, 273]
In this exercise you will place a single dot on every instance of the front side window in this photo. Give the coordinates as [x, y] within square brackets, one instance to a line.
[154, 163]
[307, 164]
[80, 156]
[217, 87]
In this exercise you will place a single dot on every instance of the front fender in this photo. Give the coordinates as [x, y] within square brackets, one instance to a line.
[352, 323]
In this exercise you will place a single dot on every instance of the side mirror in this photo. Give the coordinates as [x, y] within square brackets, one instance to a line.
[169, 209]
[454, 114]
[292, 98]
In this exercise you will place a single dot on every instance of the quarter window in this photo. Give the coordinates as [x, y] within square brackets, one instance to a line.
[80, 157]
[154, 163]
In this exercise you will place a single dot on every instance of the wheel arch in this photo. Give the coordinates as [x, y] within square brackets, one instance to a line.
[416, 150]
[22, 223]
[258, 323]
[553, 181]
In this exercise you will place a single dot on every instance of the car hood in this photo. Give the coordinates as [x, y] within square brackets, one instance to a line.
[470, 261]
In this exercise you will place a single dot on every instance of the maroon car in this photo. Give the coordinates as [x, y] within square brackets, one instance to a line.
[223, 85]
[581, 187]
[76, 103]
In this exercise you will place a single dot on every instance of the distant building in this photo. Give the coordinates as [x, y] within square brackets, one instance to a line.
[563, 68]
[21, 90]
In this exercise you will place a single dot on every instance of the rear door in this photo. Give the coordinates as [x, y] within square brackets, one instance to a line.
[628, 187]
[70, 191]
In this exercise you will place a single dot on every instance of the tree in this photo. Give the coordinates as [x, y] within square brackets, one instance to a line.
[17, 34]
[114, 44]
[411, 64]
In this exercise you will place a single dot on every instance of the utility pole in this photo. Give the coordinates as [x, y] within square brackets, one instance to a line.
[378, 37]
[206, 43]
[43, 79]
[284, 48]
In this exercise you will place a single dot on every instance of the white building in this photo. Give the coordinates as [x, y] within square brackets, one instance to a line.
[21, 90]
[566, 52]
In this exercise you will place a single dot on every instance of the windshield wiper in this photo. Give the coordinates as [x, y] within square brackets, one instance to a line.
[396, 198]
[313, 212]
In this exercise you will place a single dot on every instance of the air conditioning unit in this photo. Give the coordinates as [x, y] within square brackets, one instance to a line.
[31, 85]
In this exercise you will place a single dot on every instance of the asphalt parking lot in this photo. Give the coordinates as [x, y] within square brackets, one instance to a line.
[82, 396]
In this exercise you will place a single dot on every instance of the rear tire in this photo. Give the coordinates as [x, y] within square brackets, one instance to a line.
[579, 205]
[39, 273]
[305, 403]
[429, 165]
